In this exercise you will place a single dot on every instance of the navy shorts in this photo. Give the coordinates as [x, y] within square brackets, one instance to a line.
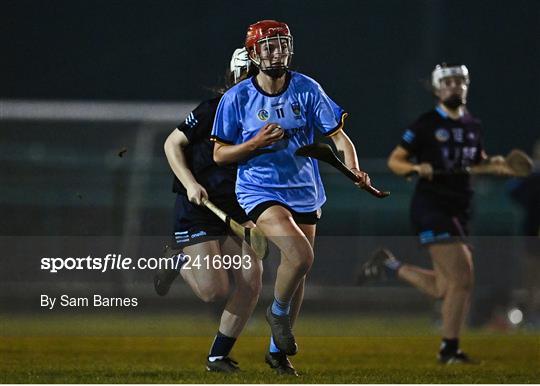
[194, 224]
[299, 217]
[437, 221]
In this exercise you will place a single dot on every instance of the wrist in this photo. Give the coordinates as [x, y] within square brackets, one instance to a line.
[191, 184]
[252, 144]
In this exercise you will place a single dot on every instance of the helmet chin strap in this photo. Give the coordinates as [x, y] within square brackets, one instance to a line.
[275, 73]
[453, 102]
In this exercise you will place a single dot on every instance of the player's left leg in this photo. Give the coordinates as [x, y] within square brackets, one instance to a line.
[278, 225]
[275, 358]
[384, 265]
[453, 262]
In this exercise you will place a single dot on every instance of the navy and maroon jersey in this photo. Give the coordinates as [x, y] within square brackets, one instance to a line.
[219, 181]
[448, 145]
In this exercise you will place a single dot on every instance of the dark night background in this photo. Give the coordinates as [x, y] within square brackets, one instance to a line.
[370, 56]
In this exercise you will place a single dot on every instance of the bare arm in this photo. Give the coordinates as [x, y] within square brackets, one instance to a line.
[173, 147]
[267, 135]
[343, 143]
[399, 163]
[228, 154]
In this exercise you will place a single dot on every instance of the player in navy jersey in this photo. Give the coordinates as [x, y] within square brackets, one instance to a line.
[447, 145]
[201, 236]
[260, 123]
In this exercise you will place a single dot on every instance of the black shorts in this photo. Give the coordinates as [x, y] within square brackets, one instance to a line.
[437, 221]
[309, 218]
[194, 224]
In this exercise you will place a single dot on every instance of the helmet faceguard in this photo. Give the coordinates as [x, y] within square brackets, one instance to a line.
[457, 96]
[442, 71]
[270, 46]
[239, 63]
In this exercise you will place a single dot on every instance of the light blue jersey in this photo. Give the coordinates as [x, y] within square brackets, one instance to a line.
[274, 173]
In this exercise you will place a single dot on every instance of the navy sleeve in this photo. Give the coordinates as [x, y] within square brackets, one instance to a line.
[198, 123]
[410, 139]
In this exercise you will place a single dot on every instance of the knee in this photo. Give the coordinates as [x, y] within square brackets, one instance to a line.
[464, 283]
[214, 292]
[252, 289]
[440, 292]
[302, 258]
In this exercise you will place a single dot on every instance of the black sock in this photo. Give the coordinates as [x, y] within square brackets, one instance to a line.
[449, 346]
[221, 347]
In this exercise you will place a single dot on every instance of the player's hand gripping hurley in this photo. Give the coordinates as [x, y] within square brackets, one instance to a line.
[518, 164]
[252, 236]
[324, 152]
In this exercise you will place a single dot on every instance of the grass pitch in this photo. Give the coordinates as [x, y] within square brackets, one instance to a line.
[172, 349]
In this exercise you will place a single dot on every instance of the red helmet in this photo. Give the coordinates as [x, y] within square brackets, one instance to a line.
[265, 29]
[269, 34]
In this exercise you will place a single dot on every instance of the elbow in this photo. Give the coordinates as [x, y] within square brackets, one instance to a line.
[218, 159]
[390, 163]
[167, 147]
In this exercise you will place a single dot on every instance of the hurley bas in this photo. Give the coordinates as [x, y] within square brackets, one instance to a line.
[95, 301]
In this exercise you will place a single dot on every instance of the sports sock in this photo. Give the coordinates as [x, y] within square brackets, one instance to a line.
[221, 347]
[273, 348]
[281, 308]
[449, 346]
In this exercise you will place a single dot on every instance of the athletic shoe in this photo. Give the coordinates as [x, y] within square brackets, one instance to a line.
[374, 268]
[280, 363]
[164, 277]
[224, 365]
[455, 358]
[282, 332]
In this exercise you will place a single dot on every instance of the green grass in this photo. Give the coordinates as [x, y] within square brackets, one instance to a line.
[383, 351]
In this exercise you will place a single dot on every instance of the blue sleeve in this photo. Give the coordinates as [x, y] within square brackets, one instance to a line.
[226, 128]
[327, 116]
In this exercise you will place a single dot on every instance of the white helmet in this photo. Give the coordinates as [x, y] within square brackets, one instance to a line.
[443, 71]
[239, 62]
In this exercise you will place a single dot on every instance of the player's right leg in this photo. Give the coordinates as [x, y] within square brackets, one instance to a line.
[209, 284]
[240, 305]
[247, 287]
[277, 223]
[242, 297]
[193, 225]
[197, 233]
